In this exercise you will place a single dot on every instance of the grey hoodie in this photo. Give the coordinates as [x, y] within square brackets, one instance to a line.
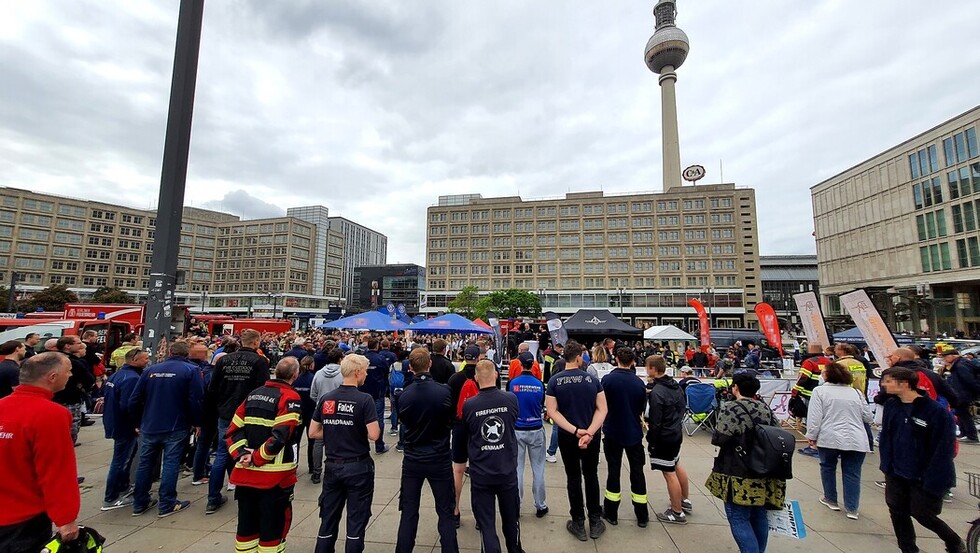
[325, 380]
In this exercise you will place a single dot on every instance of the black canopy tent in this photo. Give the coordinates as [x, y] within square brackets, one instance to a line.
[588, 325]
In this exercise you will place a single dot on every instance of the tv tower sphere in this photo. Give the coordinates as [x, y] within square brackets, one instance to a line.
[668, 46]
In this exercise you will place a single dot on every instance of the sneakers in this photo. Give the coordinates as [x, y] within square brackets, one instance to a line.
[139, 511]
[551, 458]
[809, 451]
[178, 507]
[315, 478]
[457, 521]
[577, 529]
[231, 487]
[117, 504]
[198, 482]
[130, 492]
[852, 516]
[687, 506]
[541, 512]
[670, 517]
[212, 508]
[399, 447]
[880, 483]
[948, 498]
[832, 505]
[965, 440]
[596, 527]
[384, 450]
[393, 432]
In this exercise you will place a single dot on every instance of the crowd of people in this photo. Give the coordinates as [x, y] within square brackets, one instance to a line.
[240, 406]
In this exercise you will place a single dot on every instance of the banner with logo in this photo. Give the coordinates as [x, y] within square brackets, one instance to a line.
[770, 325]
[498, 337]
[808, 306]
[866, 317]
[703, 320]
[555, 328]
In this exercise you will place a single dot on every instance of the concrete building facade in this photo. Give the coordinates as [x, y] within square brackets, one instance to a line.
[640, 255]
[783, 276]
[904, 226]
[362, 247]
[229, 265]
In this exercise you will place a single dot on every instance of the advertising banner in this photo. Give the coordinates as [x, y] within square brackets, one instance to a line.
[703, 319]
[498, 337]
[867, 319]
[770, 326]
[555, 328]
[809, 309]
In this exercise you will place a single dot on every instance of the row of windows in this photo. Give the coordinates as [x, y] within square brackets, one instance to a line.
[576, 210]
[588, 239]
[587, 224]
[961, 147]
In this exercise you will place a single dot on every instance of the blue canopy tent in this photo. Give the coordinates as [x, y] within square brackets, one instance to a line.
[370, 320]
[449, 323]
[854, 336]
[418, 319]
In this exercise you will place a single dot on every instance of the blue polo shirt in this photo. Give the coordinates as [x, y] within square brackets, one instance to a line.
[530, 398]
[575, 392]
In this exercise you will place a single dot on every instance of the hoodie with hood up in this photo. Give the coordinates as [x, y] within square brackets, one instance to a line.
[325, 380]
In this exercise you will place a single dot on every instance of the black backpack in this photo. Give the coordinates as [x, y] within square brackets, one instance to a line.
[766, 450]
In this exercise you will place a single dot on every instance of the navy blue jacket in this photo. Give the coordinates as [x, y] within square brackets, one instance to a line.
[626, 397]
[920, 447]
[302, 387]
[299, 352]
[206, 370]
[963, 380]
[376, 382]
[117, 421]
[169, 396]
[319, 360]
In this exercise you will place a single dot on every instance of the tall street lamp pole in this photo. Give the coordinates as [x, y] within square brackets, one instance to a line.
[621, 290]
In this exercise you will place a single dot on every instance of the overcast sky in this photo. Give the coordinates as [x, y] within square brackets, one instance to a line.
[375, 108]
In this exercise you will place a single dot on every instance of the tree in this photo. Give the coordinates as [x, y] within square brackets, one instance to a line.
[52, 298]
[509, 304]
[106, 294]
[465, 302]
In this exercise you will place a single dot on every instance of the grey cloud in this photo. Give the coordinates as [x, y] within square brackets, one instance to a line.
[245, 205]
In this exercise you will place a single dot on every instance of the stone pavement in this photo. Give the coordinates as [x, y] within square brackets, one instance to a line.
[707, 529]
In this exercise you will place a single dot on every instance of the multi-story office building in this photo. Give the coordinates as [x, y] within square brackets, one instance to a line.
[328, 250]
[362, 247]
[378, 285]
[903, 225]
[640, 255]
[784, 276]
[229, 265]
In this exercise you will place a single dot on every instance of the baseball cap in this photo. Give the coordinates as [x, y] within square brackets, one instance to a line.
[526, 359]
[472, 352]
[687, 369]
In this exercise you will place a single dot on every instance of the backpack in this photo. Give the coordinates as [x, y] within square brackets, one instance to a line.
[766, 450]
[396, 379]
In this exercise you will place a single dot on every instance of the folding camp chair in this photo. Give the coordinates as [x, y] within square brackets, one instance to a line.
[701, 406]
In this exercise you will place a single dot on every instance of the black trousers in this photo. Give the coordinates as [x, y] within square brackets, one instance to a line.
[906, 500]
[30, 535]
[440, 477]
[964, 419]
[350, 484]
[581, 464]
[636, 458]
[506, 494]
[264, 517]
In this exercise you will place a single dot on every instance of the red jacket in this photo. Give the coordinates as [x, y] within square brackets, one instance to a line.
[38, 458]
[267, 422]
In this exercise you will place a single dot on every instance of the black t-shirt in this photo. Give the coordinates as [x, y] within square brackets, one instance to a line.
[442, 368]
[575, 391]
[345, 414]
[9, 376]
[489, 420]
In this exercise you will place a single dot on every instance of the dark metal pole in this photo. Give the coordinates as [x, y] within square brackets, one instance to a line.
[166, 242]
[12, 293]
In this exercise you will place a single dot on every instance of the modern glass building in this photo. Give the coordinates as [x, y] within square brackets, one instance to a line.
[904, 226]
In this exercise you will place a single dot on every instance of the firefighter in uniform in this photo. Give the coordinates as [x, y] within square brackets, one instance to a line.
[425, 409]
[626, 398]
[488, 428]
[347, 418]
[263, 439]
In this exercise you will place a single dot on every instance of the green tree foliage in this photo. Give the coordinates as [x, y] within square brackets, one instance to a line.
[509, 303]
[465, 302]
[106, 294]
[52, 298]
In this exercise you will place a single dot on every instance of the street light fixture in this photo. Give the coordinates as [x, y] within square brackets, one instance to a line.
[541, 295]
[204, 299]
[621, 290]
[275, 305]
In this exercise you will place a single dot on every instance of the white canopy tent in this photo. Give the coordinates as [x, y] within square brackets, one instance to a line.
[667, 333]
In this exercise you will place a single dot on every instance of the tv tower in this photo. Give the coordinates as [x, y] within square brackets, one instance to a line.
[666, 51]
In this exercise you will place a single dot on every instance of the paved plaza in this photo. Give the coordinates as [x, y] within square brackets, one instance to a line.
[707, 529]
